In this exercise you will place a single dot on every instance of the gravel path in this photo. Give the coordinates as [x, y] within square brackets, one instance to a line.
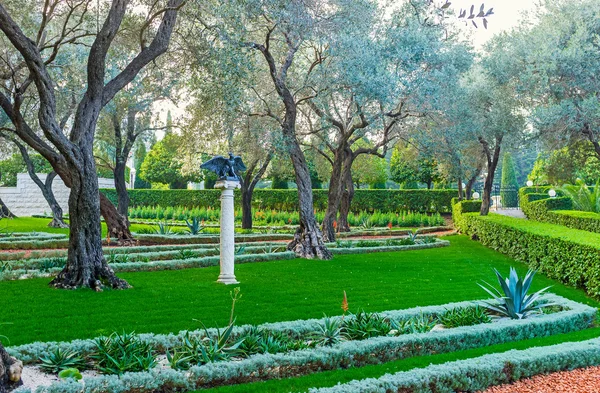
[516, 213]
[584, 380]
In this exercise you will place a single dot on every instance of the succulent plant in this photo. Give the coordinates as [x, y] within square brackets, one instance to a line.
[513, 301]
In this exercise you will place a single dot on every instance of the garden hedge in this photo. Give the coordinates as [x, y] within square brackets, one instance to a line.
[287, 200]
[291, 364]
[540, 207]
[479, 373]
[569, 255]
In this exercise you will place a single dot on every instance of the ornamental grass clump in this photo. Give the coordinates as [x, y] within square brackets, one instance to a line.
[62, 359]
[121, 353]
[464, 316]
[514, 302]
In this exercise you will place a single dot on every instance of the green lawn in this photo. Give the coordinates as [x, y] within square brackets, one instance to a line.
[32, 224]
[169, 301]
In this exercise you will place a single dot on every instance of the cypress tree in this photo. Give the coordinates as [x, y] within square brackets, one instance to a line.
[509, 185]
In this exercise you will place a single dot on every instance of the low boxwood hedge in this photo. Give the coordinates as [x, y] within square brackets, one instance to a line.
[479, 373]
[287, 200]
[569, 255]
[540, 207]
[343, 355]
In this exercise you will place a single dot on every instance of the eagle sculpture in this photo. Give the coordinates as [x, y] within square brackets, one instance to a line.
[225, 168]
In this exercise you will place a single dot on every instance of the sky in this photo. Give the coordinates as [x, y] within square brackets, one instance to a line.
[506, 16]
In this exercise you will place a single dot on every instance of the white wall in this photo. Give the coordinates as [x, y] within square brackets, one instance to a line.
[26, 198]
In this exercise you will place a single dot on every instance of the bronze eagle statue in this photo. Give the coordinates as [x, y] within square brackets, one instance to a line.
[225, 168]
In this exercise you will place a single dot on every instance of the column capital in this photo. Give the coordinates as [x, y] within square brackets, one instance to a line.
[227, 184]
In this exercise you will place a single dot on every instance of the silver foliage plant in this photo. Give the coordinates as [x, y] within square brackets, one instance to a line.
[514, 302]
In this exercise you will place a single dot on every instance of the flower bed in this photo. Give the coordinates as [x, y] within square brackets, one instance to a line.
[280, 218]
[312, 358]
[184, 258]
[481, 372]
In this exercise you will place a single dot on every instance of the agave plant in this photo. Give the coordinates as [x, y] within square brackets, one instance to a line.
[195, 226]
[513, 301]
[583, 198]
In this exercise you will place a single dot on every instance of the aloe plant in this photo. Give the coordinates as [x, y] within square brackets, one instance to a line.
[513, 301]
[582, 197]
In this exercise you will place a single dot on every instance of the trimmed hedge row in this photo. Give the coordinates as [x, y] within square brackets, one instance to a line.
[287, 200]
[301, 362]
[568, 255]
[32, 269]
[540, 207]
[479, 373]
[460, 207]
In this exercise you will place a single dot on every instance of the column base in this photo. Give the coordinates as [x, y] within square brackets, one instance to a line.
[227, 279]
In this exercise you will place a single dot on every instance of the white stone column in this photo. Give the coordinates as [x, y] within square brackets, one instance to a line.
[227, 275]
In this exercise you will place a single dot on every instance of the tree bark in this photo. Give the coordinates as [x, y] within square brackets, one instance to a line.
[346, 202]
[57, 211]
[492, 163]
[472, 180]
[4, 211]
[10, 371]
[248, 183]
[308, 240]
[86, 266]
[121, 188]
[460, 189]
[334, 196]
[116, 224]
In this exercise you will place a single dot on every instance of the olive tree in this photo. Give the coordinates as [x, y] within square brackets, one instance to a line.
[32, 51]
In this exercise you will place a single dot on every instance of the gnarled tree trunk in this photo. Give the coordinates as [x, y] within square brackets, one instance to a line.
[116, 224]
[57, 211]
[492, 163]
[334, 195]
[248, 183]
[308, 240]
[346, 202]
[10, 371]
[86, 266]
[121, 188]
[472, 180]
[4, 211]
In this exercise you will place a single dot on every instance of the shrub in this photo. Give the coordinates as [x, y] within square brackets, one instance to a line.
[567, 255]
[583, 198]
[540, 207]
[287, 200]
[478, 373]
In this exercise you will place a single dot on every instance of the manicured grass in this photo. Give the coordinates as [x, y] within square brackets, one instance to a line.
[545, 229]
[577, 213]
[331, 378]
[32, 224]
[169, 301]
